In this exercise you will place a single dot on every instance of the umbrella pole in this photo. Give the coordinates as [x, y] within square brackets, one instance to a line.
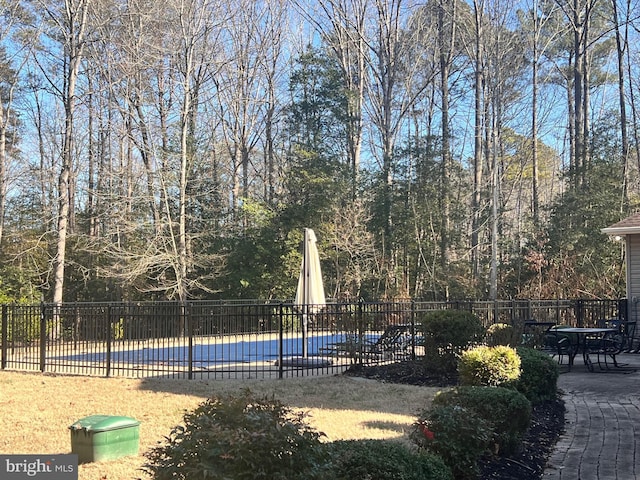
[305, 286]
[305, 353]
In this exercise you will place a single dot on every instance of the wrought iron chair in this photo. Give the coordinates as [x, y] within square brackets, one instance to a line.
[609, 346]
[560, 345]
[396, 342]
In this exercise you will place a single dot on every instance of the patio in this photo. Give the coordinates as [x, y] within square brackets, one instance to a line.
[601, 439]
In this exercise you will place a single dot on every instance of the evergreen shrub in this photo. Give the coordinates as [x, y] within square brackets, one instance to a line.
[240, 438]
[384, 460]
[490, 366]
[457, 434]
[446, 334]
[500, 334]
[506, 411]
[539, 375]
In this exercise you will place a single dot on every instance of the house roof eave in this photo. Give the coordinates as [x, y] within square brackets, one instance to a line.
[621, 231]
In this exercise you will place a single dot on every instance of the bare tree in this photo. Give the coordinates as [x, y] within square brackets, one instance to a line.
[70, 26]
[196, 36]
[274, 42]
[538, 30]
[504, 71]
[447, 19]
[579, 17]
[352, 245]
[622, 45]
[479, 94]
[155, 85]
[396, 82]
[247, 99]
[632, 94]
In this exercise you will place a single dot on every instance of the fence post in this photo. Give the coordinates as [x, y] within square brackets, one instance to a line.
[43, 336]
[579, 313]
[188, 320]
[413, 330]
[4, 328]
[623, 313]
[109, 337]
[360, 329]
[280, 340]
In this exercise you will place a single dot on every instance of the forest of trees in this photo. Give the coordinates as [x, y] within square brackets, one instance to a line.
[440, 149]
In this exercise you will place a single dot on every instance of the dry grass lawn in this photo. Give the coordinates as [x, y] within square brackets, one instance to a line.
[36, 409]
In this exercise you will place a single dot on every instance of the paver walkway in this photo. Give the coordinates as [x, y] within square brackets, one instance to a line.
[602, 431]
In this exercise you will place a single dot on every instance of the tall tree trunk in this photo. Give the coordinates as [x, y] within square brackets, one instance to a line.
[534, 123]
[586, 101]
[495, 199]
[621, 47]
[75, 23]
[571, 124]
[91, 157]
[3, 169]
[185, 137]
[446, 40]
[579, 23]
[634, 109]
[478, 139]
[145, 149]
[269, 151]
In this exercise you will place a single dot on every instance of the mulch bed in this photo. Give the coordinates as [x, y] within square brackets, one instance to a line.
[528, 463]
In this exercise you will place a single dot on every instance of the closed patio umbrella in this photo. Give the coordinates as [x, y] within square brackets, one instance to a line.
[310, 292]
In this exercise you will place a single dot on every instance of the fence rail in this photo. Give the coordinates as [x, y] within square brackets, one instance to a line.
[240, 340]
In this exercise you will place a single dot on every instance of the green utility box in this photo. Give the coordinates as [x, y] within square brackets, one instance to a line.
[103, 437]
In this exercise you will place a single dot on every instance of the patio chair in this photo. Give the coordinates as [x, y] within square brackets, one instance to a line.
[560, 345]
[607, 347]
[626, 329]
[533, 333]
[395, 342]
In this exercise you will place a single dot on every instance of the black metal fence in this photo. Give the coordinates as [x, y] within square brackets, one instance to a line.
[242, 339]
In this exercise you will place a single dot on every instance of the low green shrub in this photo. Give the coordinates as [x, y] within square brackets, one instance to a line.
[490, 366]
[446, 334]
[240, 438]
[506, 411]
[539, 375]
[457, 434]
[500, 334]
[384, 460]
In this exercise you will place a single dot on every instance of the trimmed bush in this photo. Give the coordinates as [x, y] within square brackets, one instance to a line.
[490, 366]
[384, 460]
[446, 334]
[242, 438]
[457, 434]
[539, 375]
[500, 334]
[506, 411]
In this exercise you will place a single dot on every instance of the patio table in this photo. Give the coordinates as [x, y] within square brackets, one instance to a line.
[583, 335]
